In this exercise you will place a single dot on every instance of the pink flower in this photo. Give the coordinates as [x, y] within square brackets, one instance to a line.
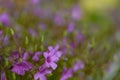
[78, 65]
[32, 32]
[59, 20]
[35, 1]
[25, 56]
[14, 56]
[71, 27]
[78, 39]
[36, 56]
[76, 13]
[5, 19]
[52, 57]
[21, 67]
[41, 74]
[67, 73]
[42, 26]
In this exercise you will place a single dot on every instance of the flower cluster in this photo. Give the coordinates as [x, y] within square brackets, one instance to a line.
[68, 73]
[21, 65]
[51, 57]
[83, 39]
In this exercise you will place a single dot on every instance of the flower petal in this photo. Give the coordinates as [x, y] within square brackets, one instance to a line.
[36, 56]
[50, 48]
[25, 56]
[53, 65]
[54, 58]
[43, 77]
[45, 54]
[58, 53]
[57, 47]
[37, 76]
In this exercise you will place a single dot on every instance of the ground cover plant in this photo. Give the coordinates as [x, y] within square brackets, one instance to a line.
[59, 40]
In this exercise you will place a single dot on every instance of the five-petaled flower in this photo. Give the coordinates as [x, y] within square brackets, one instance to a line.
[52, 56]
[41, 74]
[67, 73]
[78, 65]
[5, 19]
[20, 67]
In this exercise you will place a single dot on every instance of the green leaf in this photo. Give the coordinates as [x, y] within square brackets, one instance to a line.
[12, 31]
[26, 40]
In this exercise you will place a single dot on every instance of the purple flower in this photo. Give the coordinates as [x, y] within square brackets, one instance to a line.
[43, 13]
[32, 32]
[76, 13]
[4, 19]
[64, 43]
[72, 47]
[35, 1]
[3, 76]
[6, 4]
[78, 38]
[67, 73]
[36, 56]
[41, 74]
[21, 67]
[25, 56]
[52, 57]
[13, 56]
[78, 65]
[71, 27]
[42, 26]
[59, 20]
